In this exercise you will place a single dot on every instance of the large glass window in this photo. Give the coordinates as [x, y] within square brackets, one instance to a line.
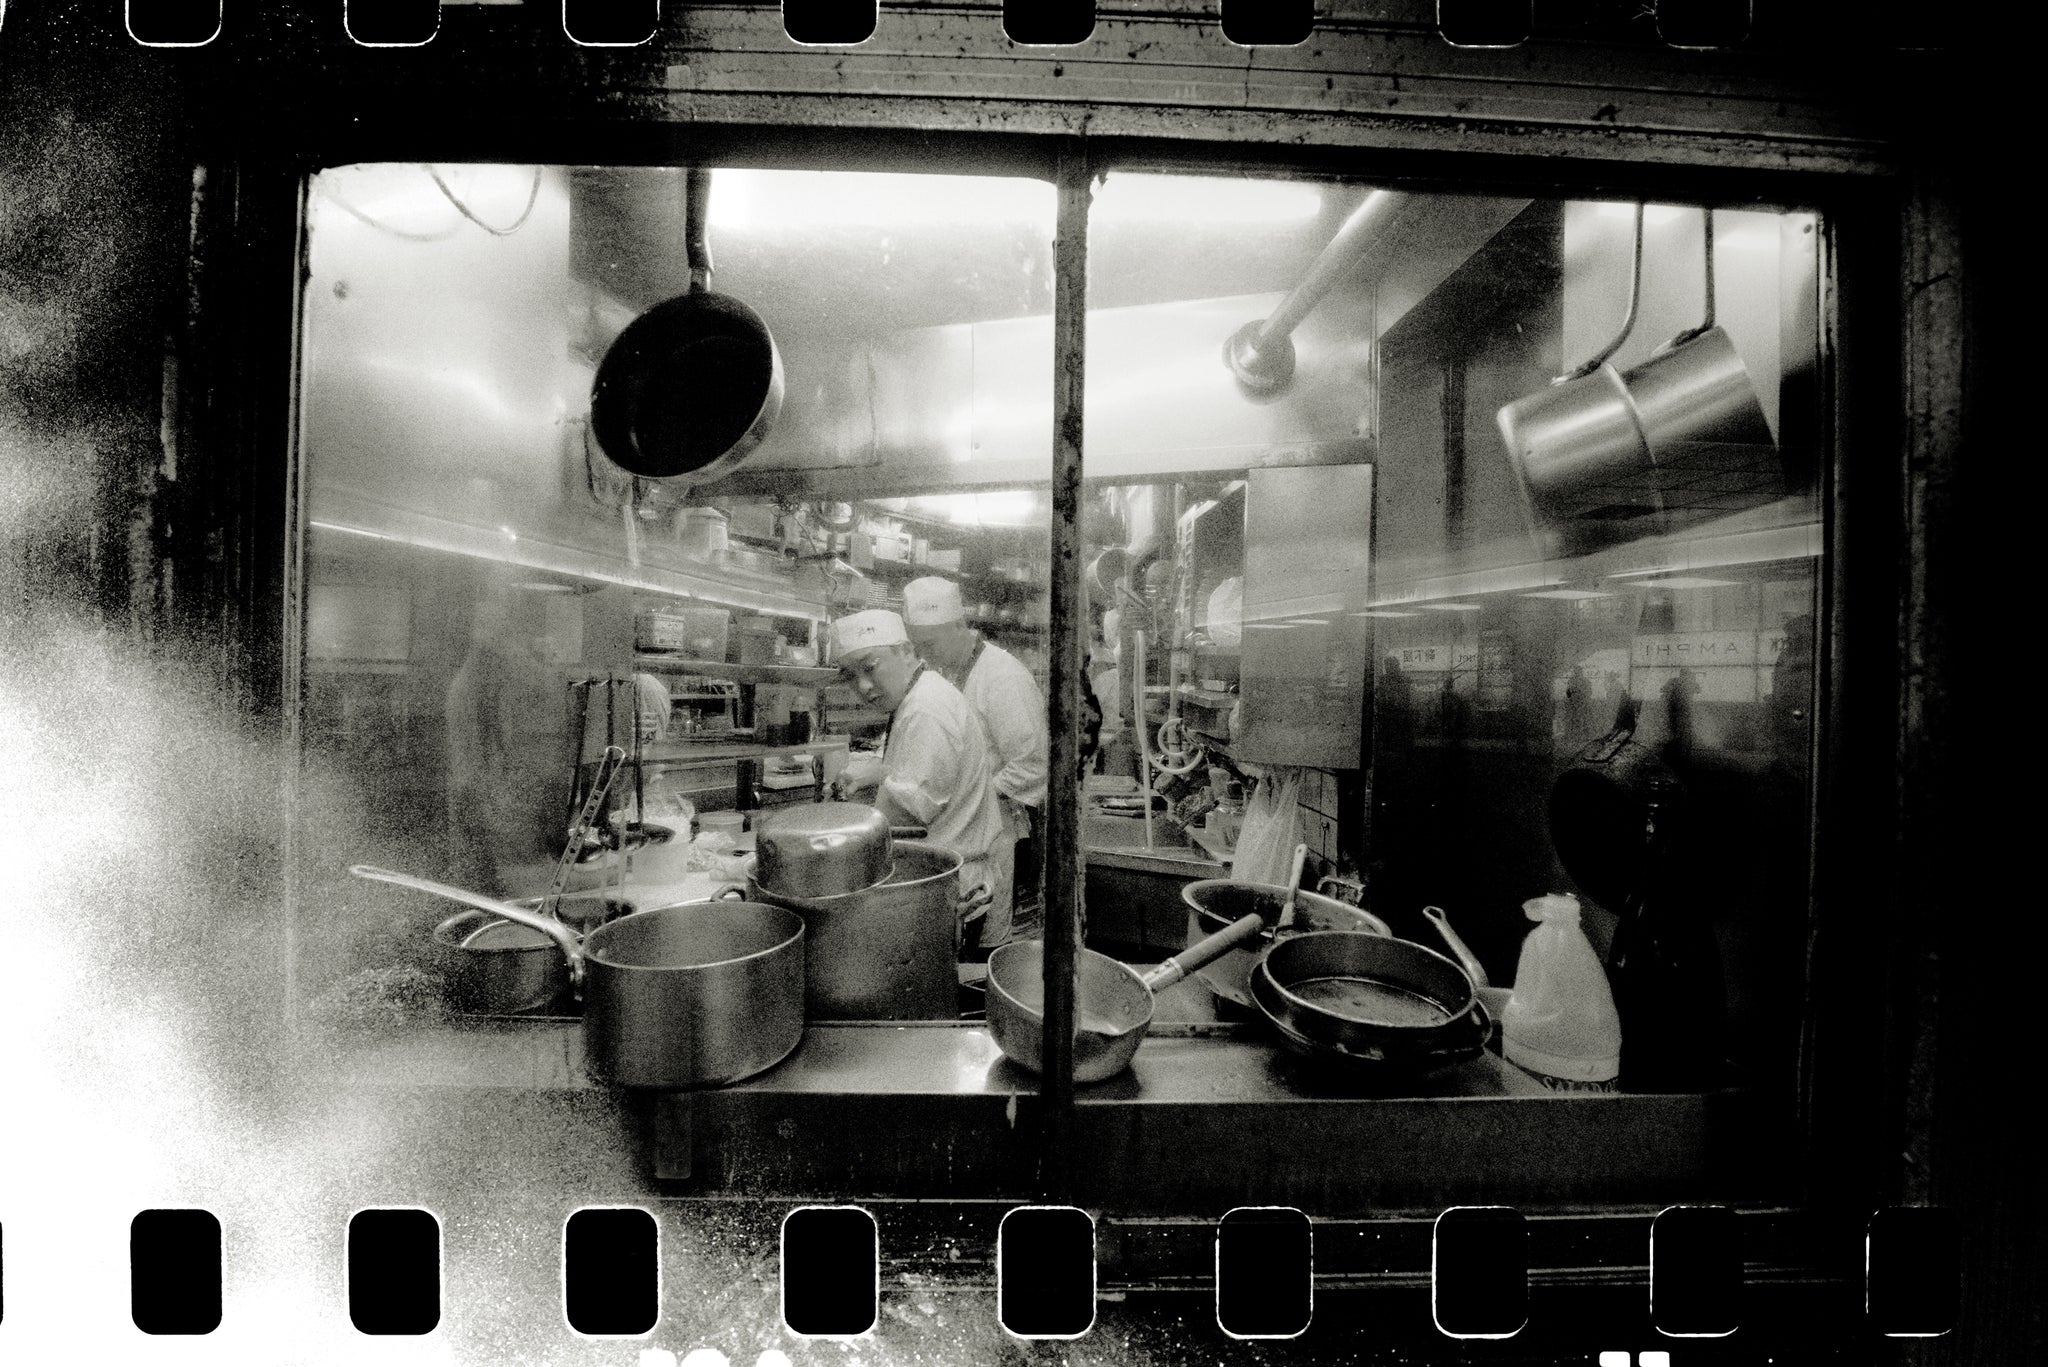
[497, 586]
[1401, 559]
[1402, 510]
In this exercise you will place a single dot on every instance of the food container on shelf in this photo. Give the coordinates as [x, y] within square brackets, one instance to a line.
[757, 639]
[701, 532]
[733, 824]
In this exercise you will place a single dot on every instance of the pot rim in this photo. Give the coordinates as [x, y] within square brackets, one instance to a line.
[1302, 896]
[1452, 1014]
[592, 956]
[449, 936]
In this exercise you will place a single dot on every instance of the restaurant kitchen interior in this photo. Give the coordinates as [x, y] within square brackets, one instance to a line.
[1481, 521]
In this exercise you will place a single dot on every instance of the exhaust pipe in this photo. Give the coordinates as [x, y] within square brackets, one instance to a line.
[1261, 353]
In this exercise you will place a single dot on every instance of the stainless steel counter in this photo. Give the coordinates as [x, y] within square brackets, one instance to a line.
[1211, 1115]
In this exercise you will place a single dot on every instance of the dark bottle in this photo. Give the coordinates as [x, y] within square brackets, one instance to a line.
[1665, 973]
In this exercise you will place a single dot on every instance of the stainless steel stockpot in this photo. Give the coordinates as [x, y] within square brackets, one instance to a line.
[694, 995]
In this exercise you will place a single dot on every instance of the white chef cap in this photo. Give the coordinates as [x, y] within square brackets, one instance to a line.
[865, 630]
[931, 602]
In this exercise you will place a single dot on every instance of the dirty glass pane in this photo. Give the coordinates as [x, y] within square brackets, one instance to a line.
[497, 586]
[1393, 581]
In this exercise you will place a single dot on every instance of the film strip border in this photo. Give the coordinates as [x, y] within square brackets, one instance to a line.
[1704, 25]
[1046, 1272]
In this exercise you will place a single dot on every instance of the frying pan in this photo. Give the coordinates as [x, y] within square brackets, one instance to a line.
[1370, 999]
[1112, 1001]
[693, 385]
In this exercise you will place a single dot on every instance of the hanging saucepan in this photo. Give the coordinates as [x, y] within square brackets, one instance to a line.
[1604, 457]
[1700, 415]
[1369, 1002]
[1611, 813]
[691, 386]
[695, 995]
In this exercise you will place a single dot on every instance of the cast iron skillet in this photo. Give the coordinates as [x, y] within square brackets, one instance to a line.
[1369, 1003]
[693, 384]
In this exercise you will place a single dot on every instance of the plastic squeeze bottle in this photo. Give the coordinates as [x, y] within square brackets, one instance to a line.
[1560, 1025]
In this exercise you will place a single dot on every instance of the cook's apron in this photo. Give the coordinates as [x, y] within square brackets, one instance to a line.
[997, 866]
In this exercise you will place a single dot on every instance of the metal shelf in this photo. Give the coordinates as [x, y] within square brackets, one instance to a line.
[739, 673]
[710, 751]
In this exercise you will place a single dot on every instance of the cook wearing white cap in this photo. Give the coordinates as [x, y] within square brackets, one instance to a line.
[996, 685]
[935, 771]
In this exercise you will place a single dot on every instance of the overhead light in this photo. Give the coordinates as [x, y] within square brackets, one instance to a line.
[1569, 595]
[1381, 613]
[543, 586]
[1134, 197]
[1448, 607]
[1655, 215]
[1684, 581]
[745, 200]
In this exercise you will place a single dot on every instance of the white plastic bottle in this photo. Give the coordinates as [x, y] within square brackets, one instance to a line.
[1560, 1025]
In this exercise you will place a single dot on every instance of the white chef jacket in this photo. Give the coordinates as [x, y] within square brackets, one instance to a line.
[1012, 712]
[937, 769]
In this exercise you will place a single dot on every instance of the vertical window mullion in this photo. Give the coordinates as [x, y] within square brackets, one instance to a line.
[1068, 613]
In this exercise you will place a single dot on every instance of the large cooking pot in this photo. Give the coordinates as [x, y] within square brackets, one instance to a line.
[1214, 903]
[822, 849]
[693, 385]
[886, 952]
[695, 995]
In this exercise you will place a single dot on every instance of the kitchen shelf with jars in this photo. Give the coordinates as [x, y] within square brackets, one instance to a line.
[744, 692]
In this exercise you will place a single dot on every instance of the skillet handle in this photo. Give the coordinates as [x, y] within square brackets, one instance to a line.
[1241, 931]
[1463, 952]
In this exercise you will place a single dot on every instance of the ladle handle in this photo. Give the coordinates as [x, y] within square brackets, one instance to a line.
[1293, 885]
[600, 785]
[1204, 952]
[553, 929]
[1463, 951]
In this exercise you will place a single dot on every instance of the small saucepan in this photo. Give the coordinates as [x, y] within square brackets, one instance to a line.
[1112, 1001]
[1370, 1000]
[498, 967]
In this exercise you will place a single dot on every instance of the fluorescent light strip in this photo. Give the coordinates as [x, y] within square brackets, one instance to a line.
[532, 563]
[1683, 581]
[1568, 595]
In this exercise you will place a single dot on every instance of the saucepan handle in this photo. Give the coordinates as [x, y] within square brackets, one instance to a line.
[1241, 931]
[571, 945]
